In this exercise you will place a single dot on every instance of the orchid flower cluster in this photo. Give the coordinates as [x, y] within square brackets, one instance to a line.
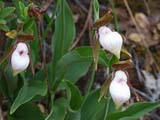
[20, 58]
[109, 40]
[112, 42]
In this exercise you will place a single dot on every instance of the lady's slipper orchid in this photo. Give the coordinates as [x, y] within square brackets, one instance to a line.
[20, 58]
[111, 41]
[119, 89]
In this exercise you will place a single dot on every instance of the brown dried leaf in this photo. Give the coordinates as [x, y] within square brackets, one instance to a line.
[25, 37]
[105, 87]
[12, 34]
[125, 54]
[103, 20]
[122, 64]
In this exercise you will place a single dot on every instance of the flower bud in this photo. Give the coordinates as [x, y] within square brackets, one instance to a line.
[119, 89]
[111, 41]
[20, 58]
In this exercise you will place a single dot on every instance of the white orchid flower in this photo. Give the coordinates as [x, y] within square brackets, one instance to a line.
[119, 89]
[110, 41]
[20, 58]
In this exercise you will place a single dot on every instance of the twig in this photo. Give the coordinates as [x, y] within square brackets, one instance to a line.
[46, 6]
[147, 7]
[81, 6]
[139, 31]
[1, 114]
[143, 94]
[36, 12]
[84, 28]
[115, 15]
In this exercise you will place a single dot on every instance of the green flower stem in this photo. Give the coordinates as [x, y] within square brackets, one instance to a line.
[115, 15]
[92, 79]
[96, 17]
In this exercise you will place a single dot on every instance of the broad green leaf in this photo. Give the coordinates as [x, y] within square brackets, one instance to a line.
[27, 112]
[73, 115]
[135, 111]
[2, 21]
[21, 9]
[75, 64]
[86, 51]
[72, 60]
[4, 27]
[28, 26]
[59, 110]
[64, 31]
[5, 12]
[92, 109]
[77, 70]
[76, 98]
[1, 4]
[27, 92]
[34, 44]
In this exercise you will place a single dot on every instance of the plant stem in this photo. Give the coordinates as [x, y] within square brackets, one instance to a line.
[92, 79]
[94, 67]
[107, 106]
[115, 15]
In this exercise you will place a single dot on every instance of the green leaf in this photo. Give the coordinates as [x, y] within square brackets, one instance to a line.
[2, 21]
[75, 64]
[112, 59]
[5, 12]
[76, 98]
[1, 5]
[27, 92]
[21, 8]
[135, 111]
[4, 27]
[59, 110]
[34, 44]
[92, 109]
[27, 112]
[29, 25]
[73, 115]
[64, 31]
